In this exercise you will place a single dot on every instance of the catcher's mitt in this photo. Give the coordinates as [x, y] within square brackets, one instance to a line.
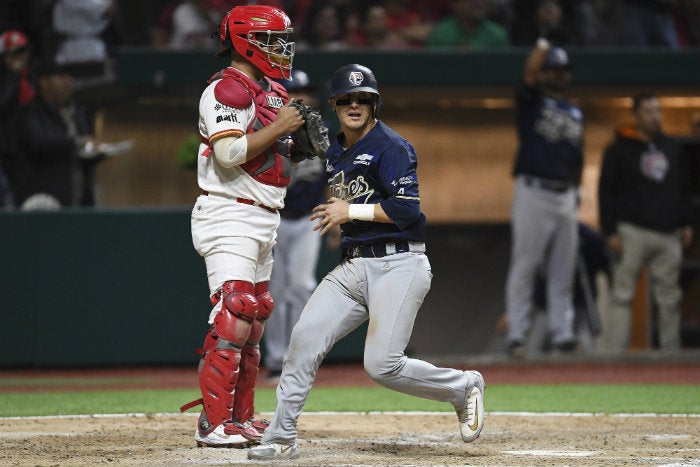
[311, 139]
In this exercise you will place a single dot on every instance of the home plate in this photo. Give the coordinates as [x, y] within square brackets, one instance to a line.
[546, 453]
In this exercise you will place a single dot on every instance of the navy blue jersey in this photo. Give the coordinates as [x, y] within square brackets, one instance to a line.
[551, 137]
[306, 190]
[380, 168]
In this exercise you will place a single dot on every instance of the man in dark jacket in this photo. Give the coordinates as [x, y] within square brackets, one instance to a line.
[48, 170]
[645, 210]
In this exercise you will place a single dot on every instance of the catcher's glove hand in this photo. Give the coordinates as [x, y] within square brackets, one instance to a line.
[311, 139]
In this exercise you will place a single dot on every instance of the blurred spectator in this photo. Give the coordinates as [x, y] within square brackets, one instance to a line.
[406, 23]
[325, 27]
[646, 23]
[542, 18]
[193, 22]
[373, 31]
[80, 26]
[15, 90]
[687, 21]
[435, 10]
[55, 165]
[163, 28]
[469, 27]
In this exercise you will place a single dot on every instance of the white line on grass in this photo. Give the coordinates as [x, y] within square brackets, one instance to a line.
[497, 414]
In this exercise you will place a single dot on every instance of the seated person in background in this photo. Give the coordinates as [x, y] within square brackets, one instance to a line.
[55, 165]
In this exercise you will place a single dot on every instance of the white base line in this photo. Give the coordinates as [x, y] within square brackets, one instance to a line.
[307, 414]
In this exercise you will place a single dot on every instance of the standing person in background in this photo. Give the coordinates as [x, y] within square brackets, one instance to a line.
[544, 223]
[645, 214]
[243, 169]
[15, 91]
[383, 277]
[297, 249]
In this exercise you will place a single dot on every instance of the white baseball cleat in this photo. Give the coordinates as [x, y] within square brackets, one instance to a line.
[218, 438]
[471, 417]
[271, 451]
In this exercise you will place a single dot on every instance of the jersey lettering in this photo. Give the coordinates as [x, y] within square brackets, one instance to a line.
[354, 189]
[275, 102]
[557, 125]
[232, 117]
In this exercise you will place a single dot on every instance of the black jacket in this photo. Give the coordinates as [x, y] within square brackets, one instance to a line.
[644, 183]
[46, 154]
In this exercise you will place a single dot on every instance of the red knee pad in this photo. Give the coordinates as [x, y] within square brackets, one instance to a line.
[239, 308]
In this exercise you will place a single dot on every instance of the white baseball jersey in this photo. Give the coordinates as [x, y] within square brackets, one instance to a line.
[217, 120]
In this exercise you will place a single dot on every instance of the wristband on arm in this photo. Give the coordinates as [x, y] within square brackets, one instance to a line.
[361, 212]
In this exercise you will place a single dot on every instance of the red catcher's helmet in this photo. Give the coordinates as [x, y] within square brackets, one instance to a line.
[260, 34]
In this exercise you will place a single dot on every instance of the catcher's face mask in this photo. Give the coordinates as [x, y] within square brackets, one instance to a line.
[260, 34]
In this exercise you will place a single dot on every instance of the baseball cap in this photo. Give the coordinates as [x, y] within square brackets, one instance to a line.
[557, 58]
[13, 41]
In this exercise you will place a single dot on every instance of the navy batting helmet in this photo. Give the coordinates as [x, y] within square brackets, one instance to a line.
[557, 59]
[355, 78]
[298, 82]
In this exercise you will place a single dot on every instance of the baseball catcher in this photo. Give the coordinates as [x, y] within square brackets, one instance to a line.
[243, 171]
[311, 139]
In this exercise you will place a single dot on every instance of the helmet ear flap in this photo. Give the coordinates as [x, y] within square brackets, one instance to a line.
[377, 105]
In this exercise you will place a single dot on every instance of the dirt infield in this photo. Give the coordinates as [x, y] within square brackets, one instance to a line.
[363, 440]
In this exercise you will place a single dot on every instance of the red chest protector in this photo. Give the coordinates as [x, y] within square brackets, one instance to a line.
[272, 166]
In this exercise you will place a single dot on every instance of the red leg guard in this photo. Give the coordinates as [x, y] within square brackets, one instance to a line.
[217, 381]
[244, 398]
[219, 371]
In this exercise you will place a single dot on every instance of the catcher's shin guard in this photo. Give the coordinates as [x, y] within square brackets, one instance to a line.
[219, 371]
[244, 397]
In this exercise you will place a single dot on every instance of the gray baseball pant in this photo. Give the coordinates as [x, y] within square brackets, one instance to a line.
[388, 291]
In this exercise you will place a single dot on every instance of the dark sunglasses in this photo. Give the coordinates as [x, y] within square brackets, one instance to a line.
[348, 100]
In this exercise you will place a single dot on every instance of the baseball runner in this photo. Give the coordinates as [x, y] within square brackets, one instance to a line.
[543, 215]
[383, 276]
[243, 169]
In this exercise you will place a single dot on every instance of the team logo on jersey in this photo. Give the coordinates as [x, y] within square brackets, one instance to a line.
[356, 78]
[275, 102]
[232, 117]
[559, 125]
[354, 189]
[364, 159]
[654, 164]
[407, 180]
